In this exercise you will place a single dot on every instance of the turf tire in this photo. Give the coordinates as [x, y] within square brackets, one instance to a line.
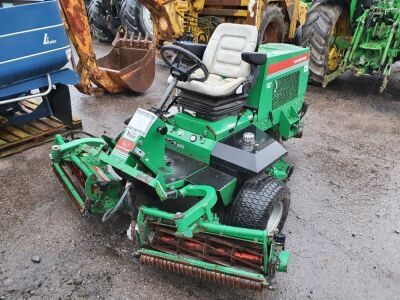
[254, 203]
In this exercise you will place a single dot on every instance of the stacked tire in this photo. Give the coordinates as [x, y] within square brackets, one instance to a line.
[136, 18]
[316, 35]
[107, 16]
[103, 20]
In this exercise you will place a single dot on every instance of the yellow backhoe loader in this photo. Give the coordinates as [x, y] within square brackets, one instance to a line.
[131, 63]
[277, 21]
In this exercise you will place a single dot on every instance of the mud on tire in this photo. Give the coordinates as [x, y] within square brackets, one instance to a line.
[255, 201]
[103, 21]
[133, 19]
[272, 28]
[316, 34]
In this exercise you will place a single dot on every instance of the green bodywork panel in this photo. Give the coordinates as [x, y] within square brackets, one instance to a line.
[140, 153]
[353, 7]
[280, 88]
[279, 170]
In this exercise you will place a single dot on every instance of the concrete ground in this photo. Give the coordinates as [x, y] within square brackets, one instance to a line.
[343, 228]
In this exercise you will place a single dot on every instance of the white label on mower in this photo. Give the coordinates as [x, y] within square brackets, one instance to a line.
[141, 122]
[306, 68]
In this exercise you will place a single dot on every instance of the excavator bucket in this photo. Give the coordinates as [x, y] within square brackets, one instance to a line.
[130, 66]
[131, 63]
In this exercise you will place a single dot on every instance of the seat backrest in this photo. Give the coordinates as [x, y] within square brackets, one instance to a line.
[223, 53]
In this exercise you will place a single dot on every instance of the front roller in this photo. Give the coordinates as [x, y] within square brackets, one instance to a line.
[194, 243]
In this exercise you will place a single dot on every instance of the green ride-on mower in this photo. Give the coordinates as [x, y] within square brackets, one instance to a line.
[202, 173]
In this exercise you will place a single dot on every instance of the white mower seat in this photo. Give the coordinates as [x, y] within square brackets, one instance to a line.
[223, 60]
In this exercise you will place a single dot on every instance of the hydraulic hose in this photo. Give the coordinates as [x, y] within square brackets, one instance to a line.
[72, 134]
[111, 212]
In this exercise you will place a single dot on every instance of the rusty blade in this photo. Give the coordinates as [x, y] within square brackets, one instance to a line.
[216, 276]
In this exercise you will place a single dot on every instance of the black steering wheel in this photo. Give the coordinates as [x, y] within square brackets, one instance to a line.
[183, 63]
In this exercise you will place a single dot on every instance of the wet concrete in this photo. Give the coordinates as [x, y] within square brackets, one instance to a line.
[343, 227]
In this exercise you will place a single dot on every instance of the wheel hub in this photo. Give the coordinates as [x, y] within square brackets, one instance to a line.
[275, 216]
[333, 58]
[147, 21]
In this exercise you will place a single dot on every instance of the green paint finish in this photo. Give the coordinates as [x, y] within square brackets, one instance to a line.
[185, 221]
[68, 184]
[280, 170]
[244, 234]
[189, 143]
[281, 91]
[353, 6]
[152, 147]
[375, 43]
[284, 258]
[289, 123]
[214, 130]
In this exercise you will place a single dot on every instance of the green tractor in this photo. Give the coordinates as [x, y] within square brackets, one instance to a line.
[203, 173]
[358, 35]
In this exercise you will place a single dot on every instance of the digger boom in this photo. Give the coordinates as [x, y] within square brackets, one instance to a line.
[130, 66]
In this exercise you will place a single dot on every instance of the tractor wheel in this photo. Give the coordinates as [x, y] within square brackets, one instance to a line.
[136, 18]
[272, 28]
[100, 21]
[262, 203]
[317, 34]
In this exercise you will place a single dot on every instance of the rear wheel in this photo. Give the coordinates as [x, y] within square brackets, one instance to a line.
[136, 18]
[318, 34]
[103, 20]
[272, 28]
[262, 203]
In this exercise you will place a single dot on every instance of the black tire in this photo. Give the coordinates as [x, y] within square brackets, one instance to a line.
[60, 103]
[272, 29]
[132, 18]
[316, 34]
[255, 202]
[103, 20]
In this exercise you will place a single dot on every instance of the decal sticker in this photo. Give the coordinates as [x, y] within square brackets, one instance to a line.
[141, 122]
[47, 40]
[130, 135]
[288, 63]
[124, 145]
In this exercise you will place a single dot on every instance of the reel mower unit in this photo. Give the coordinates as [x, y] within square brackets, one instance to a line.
[210, 160]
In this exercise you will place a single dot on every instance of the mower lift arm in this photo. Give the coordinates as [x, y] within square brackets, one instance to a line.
[186, 222]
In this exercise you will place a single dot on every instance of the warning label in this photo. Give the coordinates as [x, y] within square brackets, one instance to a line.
[125, 145]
